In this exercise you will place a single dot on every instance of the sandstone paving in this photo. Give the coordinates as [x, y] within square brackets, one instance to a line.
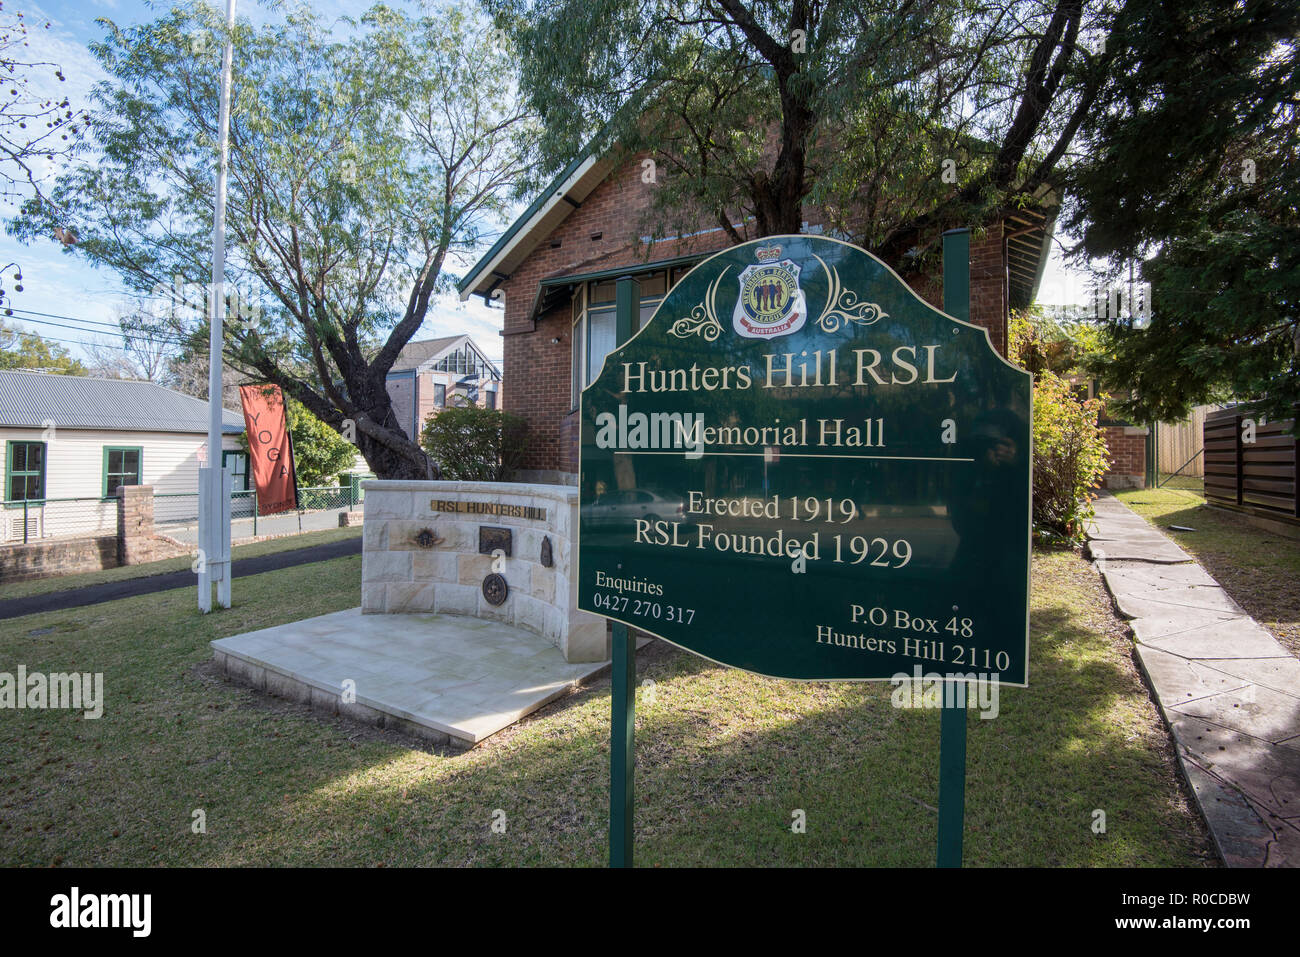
[450, 679]
[1227, 689]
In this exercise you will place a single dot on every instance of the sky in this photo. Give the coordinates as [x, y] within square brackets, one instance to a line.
[71, 293]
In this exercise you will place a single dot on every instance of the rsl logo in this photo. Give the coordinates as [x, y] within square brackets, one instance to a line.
[771, 302]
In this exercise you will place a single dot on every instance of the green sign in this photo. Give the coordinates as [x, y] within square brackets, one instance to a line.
[800, 468]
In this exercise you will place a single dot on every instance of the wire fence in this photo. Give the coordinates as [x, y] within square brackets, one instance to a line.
[39, 519]
[1187, 477]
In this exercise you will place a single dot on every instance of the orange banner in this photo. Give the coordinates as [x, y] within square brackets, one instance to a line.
[270, 451]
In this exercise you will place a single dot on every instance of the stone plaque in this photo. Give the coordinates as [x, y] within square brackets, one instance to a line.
[495, 589]
[801, 468]
[488, 508]
[490, 539]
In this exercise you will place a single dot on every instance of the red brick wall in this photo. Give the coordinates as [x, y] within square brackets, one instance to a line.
[1128, 458]
[135, 543]
[65, 556]
[538, 374]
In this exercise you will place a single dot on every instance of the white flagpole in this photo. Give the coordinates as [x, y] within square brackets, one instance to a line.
[214, 525]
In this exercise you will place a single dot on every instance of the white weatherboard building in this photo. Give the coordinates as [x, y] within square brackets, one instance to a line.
[69, 442]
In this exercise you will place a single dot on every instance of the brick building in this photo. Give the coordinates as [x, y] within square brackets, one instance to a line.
[430, 375]
[555, 268]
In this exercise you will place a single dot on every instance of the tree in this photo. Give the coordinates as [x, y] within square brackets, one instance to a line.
[1038, 342]
[139, 355]
[895, 119]
[1194, 162]
[357, 169]
[20, 349]
[35, 128]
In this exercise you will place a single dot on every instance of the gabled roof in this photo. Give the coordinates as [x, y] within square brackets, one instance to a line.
[1027, 253]
[418, 355]
[34, 399]
[565, 194]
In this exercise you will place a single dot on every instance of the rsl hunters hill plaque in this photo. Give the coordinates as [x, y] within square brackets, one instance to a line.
[800, 468]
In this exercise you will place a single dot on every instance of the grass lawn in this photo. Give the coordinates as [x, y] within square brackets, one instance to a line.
[269, 546]
[1258, 568]
[724, 757]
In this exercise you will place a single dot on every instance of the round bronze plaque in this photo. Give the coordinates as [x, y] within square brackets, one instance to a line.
[548, 559]
[425, 538]
[495, 589]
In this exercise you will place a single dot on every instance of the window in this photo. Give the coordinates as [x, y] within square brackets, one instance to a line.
[595, 330]
[490, 398]
[121, 467]
[465, 360]
[439, 394]
[237, 462]
[25, 471]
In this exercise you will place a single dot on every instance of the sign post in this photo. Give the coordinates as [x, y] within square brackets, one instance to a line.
[622, 755]
[952, 723]
[801, 468]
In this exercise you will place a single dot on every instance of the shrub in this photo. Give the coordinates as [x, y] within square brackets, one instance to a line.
[1069, 459]
[473, 444]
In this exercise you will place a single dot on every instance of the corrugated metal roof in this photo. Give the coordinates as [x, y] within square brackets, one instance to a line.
[30, 399]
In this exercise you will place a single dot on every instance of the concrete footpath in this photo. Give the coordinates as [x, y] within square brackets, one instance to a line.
[148, 584]
[1229, 692]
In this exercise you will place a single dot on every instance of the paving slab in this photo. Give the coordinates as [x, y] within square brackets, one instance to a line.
[1233, 638]
[1227, 689]
[447, 678]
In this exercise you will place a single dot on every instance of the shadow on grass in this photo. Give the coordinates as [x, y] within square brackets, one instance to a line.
[724, 760]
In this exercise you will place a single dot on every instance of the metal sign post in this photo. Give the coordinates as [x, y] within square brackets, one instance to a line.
[952, 723]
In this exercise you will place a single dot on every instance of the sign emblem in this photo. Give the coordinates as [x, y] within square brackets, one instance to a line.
[771, 303]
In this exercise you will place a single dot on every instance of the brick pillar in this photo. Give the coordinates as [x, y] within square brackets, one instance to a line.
[988, 285]
[134, 523]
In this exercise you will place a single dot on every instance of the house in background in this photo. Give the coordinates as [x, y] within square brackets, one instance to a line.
[429, 376]
[72, 438]
[555, 269]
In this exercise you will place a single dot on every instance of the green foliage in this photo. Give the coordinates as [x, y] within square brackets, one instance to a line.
[470, 443]
[1042, 343]
[319, 453]
[20, 349]
[889, 118]
[1069, 458]
[361, 158]
[1194, 160]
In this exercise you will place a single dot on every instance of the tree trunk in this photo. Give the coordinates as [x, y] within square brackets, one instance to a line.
[388, 462]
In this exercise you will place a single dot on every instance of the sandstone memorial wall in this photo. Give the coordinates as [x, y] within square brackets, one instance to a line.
[500, 551]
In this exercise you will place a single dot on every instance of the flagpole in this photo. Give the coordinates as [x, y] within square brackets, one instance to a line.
[215, 544]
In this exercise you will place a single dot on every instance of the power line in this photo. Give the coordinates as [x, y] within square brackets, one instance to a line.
[53, 315]
[127, 335]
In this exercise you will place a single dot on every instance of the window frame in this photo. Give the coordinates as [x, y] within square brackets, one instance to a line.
[10, 472]
[580, 328]
[237, 455]
[139, 475]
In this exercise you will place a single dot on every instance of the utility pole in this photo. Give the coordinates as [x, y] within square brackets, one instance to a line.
[214, 481]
